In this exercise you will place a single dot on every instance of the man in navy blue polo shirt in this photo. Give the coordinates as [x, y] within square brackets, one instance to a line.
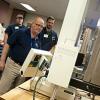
[14, 27]
[20, 44]
[48, 35]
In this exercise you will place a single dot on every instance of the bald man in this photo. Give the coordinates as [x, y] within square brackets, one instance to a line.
[20, 45]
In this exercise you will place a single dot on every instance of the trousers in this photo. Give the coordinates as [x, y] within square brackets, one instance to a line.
[10, 76]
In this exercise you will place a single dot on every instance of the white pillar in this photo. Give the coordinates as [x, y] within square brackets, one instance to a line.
[65, 53]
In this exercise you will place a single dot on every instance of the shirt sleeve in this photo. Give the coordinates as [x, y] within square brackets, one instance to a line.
[13, 38]
[8, 30]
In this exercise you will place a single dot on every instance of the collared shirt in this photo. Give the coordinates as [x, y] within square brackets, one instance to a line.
[48, 39]
[20, 45]
[13, 28]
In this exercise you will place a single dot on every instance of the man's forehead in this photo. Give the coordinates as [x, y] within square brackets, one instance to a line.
[39, 21]
[50, 20]
[19, 16]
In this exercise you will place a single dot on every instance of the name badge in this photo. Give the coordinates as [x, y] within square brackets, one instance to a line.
[16, 27]
[46, 35]
[53, 38]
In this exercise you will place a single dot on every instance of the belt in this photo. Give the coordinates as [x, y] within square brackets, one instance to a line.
[15, 61]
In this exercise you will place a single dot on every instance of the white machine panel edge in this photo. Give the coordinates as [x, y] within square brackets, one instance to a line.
[66, 52]
[27, 71]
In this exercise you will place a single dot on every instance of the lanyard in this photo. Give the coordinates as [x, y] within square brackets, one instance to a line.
[34, 43]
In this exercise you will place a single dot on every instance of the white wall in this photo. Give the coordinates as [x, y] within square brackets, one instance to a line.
[30, 17]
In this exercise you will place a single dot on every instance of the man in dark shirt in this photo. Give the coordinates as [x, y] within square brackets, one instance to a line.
[14, 27]
[20, 44]
[48, 36]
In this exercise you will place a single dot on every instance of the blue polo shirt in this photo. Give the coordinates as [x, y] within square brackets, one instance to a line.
[20, 45]
[13, 28]
[48, 39]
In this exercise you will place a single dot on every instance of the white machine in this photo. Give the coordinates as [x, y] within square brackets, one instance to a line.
[35, 70]
[35, 63]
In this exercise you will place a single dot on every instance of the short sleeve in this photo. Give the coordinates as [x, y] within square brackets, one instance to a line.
[13, 38]
[8, 30]
[56, 39]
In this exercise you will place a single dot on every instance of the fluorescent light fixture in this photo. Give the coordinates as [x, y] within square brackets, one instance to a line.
[28, 7]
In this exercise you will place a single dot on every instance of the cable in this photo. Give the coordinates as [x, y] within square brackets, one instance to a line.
[46, 74]
[36, 86]
[34, 75]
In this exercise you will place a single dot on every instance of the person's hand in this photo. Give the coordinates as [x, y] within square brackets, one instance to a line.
[2, 65]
